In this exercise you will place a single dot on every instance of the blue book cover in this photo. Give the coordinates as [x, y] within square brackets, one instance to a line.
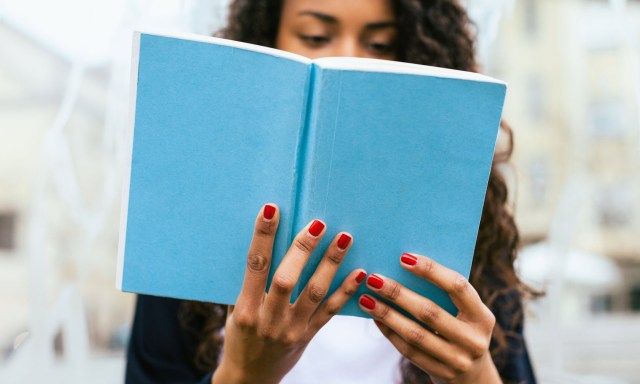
[396, 154]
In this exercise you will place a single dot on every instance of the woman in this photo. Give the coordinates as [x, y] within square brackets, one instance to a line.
[262, 339]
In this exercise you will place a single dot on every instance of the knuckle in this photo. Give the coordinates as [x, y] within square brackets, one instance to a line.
[335, 257]
[486, 344]
[490, 318]
[303, 245]
[462, 364]
[394, 291]
[291, 338]
[428, 266]
[384, 311]
[415, 336]
[332, 308]
[265, 229]
[283, 284]
[479, 346]
[407, 351]
[348, 289]
[449, 376]
[476, 350]
[460, 284]
[316, 293]
[428, 313]
[257, 261]
[244, 320]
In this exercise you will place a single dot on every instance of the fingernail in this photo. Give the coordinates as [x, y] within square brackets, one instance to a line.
[375, 281]
[344, 241]
[408, 259]
[360, 277]
[367, 302]
[316, 227]
[269, 211]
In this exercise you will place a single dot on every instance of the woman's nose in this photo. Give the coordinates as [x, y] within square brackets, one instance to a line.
[348, 47]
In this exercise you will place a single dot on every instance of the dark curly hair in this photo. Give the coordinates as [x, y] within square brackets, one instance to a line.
[431, 32]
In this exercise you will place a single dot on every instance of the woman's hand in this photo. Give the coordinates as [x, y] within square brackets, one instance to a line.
[451, 349]
[265, 334]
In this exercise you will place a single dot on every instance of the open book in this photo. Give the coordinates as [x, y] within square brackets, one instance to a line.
[397, 154]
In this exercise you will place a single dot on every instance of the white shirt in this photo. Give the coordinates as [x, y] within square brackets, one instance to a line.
[347, 350]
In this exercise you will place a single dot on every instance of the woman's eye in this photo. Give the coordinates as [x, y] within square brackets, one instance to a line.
[315, 40]
[381, 48]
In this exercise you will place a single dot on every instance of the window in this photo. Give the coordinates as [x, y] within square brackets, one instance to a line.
[634, 298]
[605, 119]
[531, 18]
[601, 303]
[7, 231]
[614, 204]
[539, 172]
[535, 98]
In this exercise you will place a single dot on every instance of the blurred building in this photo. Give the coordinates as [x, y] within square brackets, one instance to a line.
[64, 92]
[574, 105]
[573, 67]
[33, 81]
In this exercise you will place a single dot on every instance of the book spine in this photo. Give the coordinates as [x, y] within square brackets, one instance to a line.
[303, 162]
[126, 182]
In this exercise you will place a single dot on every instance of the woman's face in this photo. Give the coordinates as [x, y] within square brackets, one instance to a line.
[320, 28]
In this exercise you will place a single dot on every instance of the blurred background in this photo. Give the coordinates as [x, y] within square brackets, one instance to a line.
[573, 69]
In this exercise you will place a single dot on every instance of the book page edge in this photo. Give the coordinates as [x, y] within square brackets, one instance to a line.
[229, 43]
[389, 66]
[126, 179]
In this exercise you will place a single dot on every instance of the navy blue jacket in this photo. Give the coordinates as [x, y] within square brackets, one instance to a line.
[162, 351]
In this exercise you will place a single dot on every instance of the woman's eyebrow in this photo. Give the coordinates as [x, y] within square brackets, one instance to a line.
[321, 16]
[381, 25]
[333, 20]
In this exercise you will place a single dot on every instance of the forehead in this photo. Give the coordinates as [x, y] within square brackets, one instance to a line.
[364, 11]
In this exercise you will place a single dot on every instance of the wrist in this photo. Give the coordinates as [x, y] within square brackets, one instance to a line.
[226, 374]
[487, 372]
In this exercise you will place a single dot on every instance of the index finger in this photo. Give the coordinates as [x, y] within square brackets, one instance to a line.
[462, 293]
[259, 257]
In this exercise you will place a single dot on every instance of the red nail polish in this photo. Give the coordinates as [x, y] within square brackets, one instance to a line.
[360, 277]
[269, 211]
[344, 241]
[375, 281]
[408, 259]
[367, 302]
[316, 227]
